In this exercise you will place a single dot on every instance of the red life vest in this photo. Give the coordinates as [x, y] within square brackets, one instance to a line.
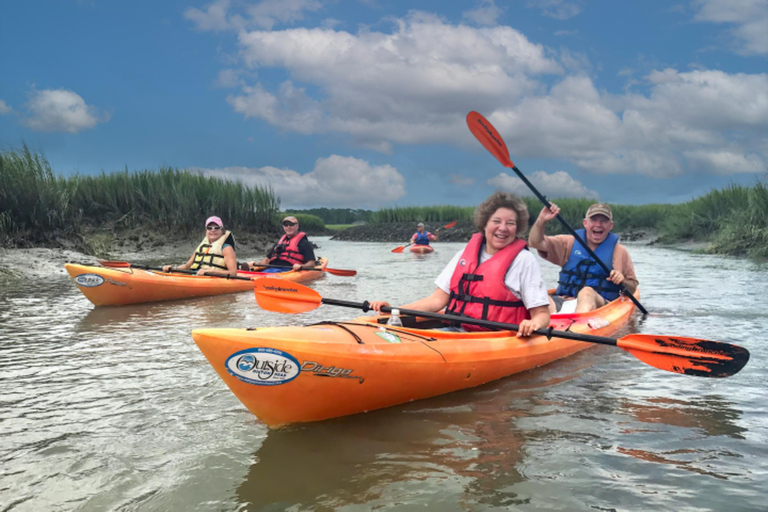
[288, 250]
[478, 291]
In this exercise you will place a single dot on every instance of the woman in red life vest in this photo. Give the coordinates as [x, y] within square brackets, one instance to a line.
[494, 277]
[215, 255]
[293, 250]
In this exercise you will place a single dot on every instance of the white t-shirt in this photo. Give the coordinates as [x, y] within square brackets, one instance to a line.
[523, 278]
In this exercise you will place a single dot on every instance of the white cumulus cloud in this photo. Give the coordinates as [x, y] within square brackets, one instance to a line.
[486, 14]
[748, 20]
[412, 85]
[5, 108]
[558, 184]
[220, 15]
[558, 9]
[415, 83]
[60, 110]
[336, 181]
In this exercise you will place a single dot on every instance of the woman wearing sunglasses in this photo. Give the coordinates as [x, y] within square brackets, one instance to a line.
[216, 253]
[292, 251]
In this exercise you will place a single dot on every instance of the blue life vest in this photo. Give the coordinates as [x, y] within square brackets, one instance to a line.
[581, 270]
[422, 238]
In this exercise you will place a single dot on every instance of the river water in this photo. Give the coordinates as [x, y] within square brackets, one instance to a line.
[116, 408]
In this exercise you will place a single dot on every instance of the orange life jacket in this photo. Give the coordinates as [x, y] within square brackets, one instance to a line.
[478, 290]
[288, 250]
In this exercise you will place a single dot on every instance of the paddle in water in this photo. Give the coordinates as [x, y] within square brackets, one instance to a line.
[484, 132]
[125, 264]
[689, 356]
[400, 249]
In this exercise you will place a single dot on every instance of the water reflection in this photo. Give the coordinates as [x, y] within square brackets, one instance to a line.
[711, 416]
[339, 462]
[467, 443]
[102, 407]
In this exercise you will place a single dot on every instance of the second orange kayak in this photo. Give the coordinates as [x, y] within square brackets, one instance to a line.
[120, 286]
[422, 249]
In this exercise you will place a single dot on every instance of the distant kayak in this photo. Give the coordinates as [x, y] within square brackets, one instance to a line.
[120, 286]
[422, 249]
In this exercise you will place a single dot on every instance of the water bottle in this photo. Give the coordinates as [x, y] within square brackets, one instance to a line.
[394, 318]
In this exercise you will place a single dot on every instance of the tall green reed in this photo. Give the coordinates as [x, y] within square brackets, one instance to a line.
[36, 205]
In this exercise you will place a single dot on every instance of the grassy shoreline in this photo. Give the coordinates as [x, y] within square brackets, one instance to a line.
[100, 214]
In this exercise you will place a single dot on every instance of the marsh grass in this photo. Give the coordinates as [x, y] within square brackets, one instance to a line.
[37, 206]
[441, 213]
[733, 220]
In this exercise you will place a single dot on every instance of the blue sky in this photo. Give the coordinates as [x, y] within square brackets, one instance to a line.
[362, 104]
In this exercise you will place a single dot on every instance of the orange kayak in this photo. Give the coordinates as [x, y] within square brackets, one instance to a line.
[422, 249]
[289, 375]
[120, 286]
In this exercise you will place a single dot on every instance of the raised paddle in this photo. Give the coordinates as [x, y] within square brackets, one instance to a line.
[484, 132]
[400, 249]
[125, 264]
[689, 356]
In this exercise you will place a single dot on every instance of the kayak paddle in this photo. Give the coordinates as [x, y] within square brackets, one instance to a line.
[484, 132]
[400, 249]
[334, 271]
[689, 356]
[125, 264]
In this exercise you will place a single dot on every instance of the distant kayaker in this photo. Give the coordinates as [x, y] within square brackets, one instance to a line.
[216, 253]
[422, 236]
[293, 250]
[494, 277]
[581, 277]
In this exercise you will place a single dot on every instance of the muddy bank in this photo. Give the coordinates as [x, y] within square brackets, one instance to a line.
[138, 246]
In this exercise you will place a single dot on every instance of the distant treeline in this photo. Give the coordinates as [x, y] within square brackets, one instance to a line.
[36, 206]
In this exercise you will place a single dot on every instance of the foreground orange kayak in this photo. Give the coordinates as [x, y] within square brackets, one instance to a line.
[289, 375]
[422, 249]
[120, 286]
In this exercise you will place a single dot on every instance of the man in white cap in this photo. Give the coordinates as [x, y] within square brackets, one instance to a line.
[292, 251]
[215, 255]
[581, 277]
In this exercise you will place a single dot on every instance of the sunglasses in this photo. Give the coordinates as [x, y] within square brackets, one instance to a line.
[289, 223]
[212, 228]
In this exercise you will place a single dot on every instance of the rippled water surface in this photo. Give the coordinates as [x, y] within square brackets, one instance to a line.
[116, 409]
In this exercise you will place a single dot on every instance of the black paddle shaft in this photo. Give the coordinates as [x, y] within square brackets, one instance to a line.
[190, 272]
[548, 332]
[576, 236]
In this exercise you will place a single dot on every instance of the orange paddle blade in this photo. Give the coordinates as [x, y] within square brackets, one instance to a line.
[284, 296]
[484, 131]
[689, 356]
[341, 272]
[114, 264]
[450, 224]
[398, 250]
